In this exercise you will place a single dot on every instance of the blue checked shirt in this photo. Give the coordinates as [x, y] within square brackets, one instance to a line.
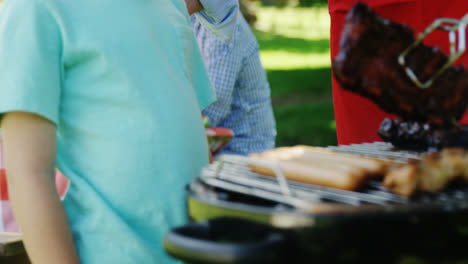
[243, 94]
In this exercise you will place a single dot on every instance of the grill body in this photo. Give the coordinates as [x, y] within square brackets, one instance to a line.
[369, 226]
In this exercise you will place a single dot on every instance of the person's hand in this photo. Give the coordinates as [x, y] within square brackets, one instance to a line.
[193, 6]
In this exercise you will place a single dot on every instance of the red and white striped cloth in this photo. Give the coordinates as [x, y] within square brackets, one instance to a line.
[7, 221]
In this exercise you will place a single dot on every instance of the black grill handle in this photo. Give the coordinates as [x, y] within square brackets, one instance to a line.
[229, 241]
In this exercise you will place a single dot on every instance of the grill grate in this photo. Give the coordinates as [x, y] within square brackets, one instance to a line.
[378, 150]
[231, 172]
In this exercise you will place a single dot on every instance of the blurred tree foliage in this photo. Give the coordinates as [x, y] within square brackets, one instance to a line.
[248, 10]
[312, 2]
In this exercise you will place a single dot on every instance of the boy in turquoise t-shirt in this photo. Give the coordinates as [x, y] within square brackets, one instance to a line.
[110, 92]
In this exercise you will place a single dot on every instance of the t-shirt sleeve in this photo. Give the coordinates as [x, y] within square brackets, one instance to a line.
[30, 59]
[198, 74]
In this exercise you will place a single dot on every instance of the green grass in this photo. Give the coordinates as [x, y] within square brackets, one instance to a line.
[295, 50]
[309, 124]
[304, 82]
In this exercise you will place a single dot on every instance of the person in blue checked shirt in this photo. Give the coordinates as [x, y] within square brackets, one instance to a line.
[243, 94]
[109, 92]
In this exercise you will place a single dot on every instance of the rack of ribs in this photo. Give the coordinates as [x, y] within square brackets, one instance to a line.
[368, 65]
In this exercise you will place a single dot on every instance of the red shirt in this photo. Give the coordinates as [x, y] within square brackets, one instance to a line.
[357, 118]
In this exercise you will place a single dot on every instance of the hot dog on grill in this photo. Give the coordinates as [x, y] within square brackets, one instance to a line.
[320, 166]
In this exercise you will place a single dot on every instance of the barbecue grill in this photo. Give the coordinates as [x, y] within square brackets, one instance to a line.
[243, 217]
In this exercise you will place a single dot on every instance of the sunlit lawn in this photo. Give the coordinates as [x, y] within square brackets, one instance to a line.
[295, 51]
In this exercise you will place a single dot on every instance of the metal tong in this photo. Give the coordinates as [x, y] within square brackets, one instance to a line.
[446, 24]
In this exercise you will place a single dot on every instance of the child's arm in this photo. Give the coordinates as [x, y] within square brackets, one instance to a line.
[30, 148]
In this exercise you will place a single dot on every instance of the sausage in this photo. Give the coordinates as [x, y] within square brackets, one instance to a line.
[321, 166]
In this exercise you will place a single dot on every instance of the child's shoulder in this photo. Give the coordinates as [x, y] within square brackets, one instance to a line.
[28, 17]
[25, 5]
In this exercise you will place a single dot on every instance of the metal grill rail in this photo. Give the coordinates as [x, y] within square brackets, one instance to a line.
[379, 150]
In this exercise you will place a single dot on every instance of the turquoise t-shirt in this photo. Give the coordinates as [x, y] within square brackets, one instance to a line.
[124, 83]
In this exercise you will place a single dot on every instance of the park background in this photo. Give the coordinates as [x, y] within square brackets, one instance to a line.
[294, 39]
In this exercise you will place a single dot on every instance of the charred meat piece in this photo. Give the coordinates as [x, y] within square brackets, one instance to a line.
[431, 174]
[368, 65]
[412, 135]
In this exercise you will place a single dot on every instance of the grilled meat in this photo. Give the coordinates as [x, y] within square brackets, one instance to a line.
[368, 65]
[402, 180]
[417, 136]
[433, 173]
